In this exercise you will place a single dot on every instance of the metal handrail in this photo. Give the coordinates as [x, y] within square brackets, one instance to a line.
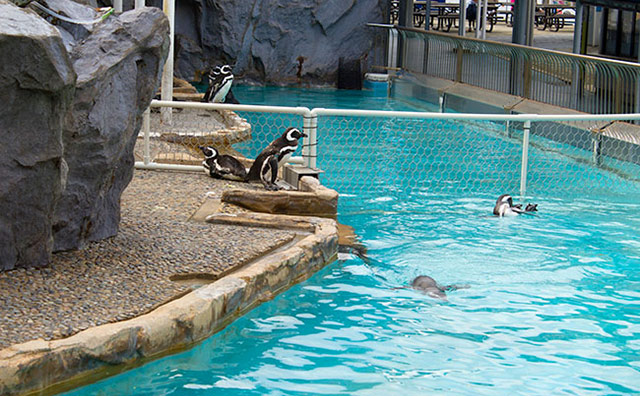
[511, 45]
[584, 83]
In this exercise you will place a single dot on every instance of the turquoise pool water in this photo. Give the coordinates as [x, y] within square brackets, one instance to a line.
[553, 304]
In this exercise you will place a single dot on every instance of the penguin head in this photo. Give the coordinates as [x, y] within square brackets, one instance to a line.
[225, 69]
[503, 205]
[293, 134]
[505, 199]
[209, 152]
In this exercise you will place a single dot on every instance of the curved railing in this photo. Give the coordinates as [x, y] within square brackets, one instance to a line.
[583, 83]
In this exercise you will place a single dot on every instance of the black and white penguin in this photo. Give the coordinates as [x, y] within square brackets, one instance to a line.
[505, 207]
[275, 155]
[428, 285]
[220, 166]
[220, 81]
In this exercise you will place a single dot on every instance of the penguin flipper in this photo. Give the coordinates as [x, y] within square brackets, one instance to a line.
[230, 98]
[455, 287]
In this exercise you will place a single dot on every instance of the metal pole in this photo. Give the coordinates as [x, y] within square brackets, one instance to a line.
[146, 125]
[117, 6]
[169, 7]
[525, 158]
[462, 18]
[139, 4]
[577, 32]
[427, 15]
[478, 17]
[484, 20]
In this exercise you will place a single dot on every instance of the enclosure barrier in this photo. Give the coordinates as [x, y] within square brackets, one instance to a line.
[365, 150]
[584, 83]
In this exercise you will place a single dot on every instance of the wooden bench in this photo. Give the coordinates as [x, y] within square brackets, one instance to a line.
[558, 20]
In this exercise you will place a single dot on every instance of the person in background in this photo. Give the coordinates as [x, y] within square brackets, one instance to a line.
[472, 13]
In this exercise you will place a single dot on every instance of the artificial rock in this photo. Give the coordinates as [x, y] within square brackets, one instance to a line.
[36, 87]
[274, 41]
[119, 70]
[71, 113]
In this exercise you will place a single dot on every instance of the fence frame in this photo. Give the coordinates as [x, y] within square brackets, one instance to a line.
[310, 122]
[609, 94]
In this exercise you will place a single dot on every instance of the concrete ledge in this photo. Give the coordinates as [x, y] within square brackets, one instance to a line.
[101, 351]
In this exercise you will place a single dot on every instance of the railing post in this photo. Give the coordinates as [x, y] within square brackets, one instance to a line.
[459, 60]
[525, 158]
[310, 143]
[168, 7]
[146, 125]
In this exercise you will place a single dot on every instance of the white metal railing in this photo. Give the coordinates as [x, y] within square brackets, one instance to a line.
[582, 131]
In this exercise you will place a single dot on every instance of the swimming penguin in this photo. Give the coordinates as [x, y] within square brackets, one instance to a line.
[220, 166]
[275, 155]
[505, 207]
[220, 81]
[428, 285]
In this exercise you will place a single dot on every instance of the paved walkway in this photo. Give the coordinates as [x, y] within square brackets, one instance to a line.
[561, 40]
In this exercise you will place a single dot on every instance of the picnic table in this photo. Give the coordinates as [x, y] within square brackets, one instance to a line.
[552, 16]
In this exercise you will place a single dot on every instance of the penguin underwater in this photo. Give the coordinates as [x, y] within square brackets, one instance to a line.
[431, 288]
[220, 81]
[220, 166]
[275, 155]
[505, 207]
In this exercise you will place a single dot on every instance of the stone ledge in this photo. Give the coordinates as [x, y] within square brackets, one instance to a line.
[311, 199]
[98, 352]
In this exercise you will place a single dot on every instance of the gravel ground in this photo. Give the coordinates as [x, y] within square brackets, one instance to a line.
[129, 274]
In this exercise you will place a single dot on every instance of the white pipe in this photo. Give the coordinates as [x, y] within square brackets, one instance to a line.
[146, 126]
[156, 166]
[193, 168]
[525, 158]
[117, 6]
[484, 117]
[167, 74]
[139, 4]
[234, 107]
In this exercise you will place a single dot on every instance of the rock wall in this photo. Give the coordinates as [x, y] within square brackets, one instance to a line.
[72, 106]
[266, 40]
[36, 87]
[119, 70]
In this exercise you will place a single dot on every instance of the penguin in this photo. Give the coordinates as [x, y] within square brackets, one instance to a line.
[431, 288]
[220, 166]
[274, 156]
[505, 207]
[220, 81]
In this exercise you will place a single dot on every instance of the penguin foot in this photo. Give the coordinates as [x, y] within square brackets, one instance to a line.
[271, 187]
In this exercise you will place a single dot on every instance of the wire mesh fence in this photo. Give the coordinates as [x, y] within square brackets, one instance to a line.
[367, 153]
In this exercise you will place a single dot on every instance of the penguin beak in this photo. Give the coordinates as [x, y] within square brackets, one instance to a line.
[304, 134]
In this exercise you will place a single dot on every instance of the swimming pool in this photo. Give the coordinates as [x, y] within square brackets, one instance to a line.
[553, 305]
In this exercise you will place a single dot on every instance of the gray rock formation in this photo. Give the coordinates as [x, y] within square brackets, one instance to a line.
[70, 116]
[265, 39]
[119, 69]
[36, 86]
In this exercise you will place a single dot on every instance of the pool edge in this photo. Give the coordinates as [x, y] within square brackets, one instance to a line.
[41, 366]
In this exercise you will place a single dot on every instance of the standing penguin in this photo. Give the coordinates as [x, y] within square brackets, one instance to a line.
[275, 155]
[505, 207]
[220, 81]
[220, 166]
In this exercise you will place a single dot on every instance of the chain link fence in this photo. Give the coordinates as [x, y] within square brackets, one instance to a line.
[439, 156]
[395, 153]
